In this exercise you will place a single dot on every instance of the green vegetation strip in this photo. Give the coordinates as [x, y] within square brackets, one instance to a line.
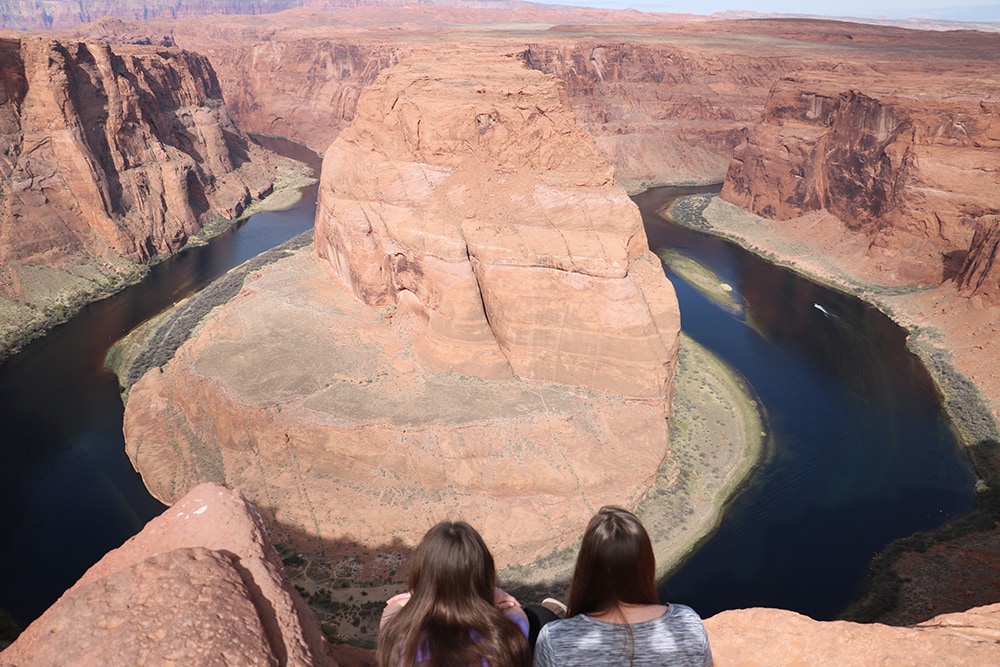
[154, 343]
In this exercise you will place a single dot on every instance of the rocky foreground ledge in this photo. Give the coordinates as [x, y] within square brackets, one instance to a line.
[203, 585]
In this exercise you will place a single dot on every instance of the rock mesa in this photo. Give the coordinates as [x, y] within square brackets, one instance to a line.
[488, 212]
[497, 342]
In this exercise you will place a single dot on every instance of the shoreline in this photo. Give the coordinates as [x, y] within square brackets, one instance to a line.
[710, 214]
[906, 586]
[94, 278]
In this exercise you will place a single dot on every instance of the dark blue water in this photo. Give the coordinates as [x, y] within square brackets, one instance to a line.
[862, 452]
[68, 493]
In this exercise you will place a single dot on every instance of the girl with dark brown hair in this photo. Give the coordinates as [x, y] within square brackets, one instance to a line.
[453, 614]
[614, 615]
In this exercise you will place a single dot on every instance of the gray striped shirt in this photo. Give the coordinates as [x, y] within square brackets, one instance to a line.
[677, 638]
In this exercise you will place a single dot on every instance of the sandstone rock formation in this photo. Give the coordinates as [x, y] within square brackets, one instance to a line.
[128, 150]
[777, 638]
[501, 271]
[888, 87]
[200, 585]
[487, 211]
[110, 156]
[909, 164]
[980, 274]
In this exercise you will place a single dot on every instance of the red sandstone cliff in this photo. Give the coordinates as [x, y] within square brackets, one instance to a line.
[662, 110]
[127, 149]
[109, 156]
[909, 164]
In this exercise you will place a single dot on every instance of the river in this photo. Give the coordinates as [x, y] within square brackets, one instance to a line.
[68, 493]
[863, 453]
[860, 450]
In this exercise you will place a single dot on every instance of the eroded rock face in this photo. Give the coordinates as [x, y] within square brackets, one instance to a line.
[127, 150]
[980, 274]
[200, 585]
[109, 157]
[909, 169]
[776, 638]
[473, 199]
[458, 366]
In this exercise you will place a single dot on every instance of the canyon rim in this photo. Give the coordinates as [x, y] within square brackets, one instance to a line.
[667, 103]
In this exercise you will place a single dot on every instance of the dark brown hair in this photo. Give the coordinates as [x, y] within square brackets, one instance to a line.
[450, 618]
[615, 564]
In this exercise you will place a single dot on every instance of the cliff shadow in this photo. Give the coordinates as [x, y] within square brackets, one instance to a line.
[952, 263]
[346, 582]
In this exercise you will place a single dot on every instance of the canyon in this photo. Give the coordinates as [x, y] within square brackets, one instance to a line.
[112, 157]
[869, 154]
[480, 330]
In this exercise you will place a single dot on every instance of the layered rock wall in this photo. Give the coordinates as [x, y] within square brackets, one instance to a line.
[305, 88]
[109, 157]
[659, 109]
[127, 149]
[910, 170]
[485, 209]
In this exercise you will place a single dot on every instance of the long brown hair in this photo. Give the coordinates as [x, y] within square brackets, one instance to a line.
[450, 618]
[615, 564]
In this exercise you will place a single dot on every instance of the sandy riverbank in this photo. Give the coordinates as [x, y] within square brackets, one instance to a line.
[958, 340]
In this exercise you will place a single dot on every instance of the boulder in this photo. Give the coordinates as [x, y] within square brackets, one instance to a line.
[201, 584]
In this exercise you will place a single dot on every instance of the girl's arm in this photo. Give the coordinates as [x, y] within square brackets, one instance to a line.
[511, 608]
[392, 607]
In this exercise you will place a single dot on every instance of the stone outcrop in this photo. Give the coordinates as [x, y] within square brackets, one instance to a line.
[910, 165]
[358, 412]
[980, 274]
[109, 156]
[476, 202]
[200, 585]
[778, 638]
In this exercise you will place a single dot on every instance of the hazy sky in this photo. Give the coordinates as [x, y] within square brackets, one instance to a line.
[967, 10]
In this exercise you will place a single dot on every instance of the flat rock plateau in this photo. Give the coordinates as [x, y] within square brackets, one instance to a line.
[863, 155]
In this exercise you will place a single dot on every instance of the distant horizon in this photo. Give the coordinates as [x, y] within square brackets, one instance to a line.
[939, 10]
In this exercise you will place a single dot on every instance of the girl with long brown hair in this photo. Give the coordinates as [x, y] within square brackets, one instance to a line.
[453, 614]
[614, 615]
